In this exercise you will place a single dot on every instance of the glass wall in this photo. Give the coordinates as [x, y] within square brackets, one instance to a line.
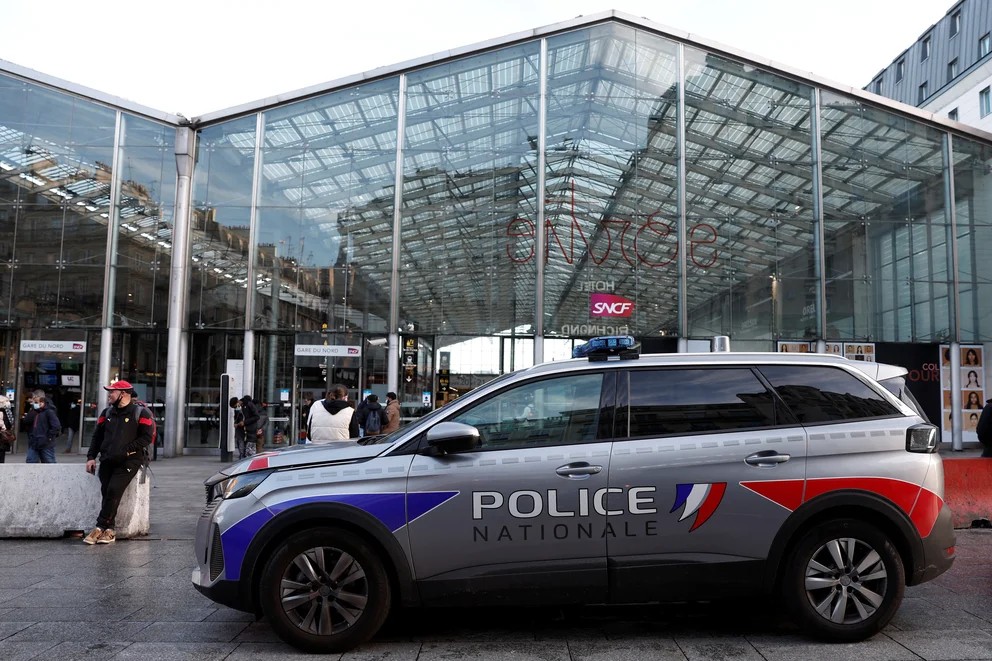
[56, 153]
[325, 212]
[86, 209]
[220, 226]
[611, 200]
[469, 191]
[887, 232]
[973, 210]
[750, 272]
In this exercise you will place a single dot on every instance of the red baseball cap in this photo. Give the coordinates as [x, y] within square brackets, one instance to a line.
[119, 385]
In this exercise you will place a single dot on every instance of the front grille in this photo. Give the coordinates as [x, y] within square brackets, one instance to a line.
[216, 554]
[210, 492]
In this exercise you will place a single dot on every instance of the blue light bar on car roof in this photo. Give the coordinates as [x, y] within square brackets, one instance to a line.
[608, 347]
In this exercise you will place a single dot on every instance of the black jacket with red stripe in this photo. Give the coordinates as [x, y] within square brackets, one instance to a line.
[122, 431]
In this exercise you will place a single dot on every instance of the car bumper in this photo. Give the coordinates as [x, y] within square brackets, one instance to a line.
[938, 549]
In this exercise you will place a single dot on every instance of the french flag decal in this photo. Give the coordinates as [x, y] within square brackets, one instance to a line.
[699, 499]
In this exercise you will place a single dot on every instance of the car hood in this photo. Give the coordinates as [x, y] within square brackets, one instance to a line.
[340, 452]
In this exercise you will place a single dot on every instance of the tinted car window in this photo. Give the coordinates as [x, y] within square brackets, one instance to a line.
[826, 394]
[548, 412]
[685, 401]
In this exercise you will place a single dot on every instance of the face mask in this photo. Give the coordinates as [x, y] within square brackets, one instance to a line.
[36, 405]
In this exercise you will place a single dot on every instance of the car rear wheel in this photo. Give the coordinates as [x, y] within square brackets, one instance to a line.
[844, 581]
[325, 590]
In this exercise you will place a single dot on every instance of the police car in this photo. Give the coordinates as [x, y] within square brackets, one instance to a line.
[610, 478]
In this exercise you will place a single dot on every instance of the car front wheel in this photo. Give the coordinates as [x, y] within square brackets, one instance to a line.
[844, 581]
[325, 590]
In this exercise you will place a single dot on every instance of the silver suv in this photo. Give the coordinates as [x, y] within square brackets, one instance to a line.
[598, 480]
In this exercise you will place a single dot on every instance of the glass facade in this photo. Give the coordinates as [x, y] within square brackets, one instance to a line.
[426, 229]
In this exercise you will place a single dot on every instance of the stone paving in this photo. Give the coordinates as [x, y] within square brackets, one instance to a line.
[61, 599]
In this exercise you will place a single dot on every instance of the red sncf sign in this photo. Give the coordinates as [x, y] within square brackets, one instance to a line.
[610, 305]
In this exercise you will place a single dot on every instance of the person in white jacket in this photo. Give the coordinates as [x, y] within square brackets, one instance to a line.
[332, 418]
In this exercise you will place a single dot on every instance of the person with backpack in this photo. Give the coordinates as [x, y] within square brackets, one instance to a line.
[124, 431]
[371, 416]
[332, 418]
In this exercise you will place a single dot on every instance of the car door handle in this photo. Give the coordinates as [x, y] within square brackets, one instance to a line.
[580, 469]
[766, 458]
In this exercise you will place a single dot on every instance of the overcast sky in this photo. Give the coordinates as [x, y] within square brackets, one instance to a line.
[200, 56]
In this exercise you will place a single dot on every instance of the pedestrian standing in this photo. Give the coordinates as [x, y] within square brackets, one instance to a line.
[371, 416]
[43, 428]
[392, 413]
[7, 431]
[984, 429]
[69, 416]
[332, 418]
[255, 421]
[244, 448]
[123, 433]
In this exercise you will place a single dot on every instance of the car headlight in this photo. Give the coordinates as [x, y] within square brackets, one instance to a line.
[238, 486]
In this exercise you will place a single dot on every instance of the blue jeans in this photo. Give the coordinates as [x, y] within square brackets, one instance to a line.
[42, 456]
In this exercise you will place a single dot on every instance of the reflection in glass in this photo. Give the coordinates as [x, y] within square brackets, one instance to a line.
[221, 219]
[324, 233]
[887, 239]
[469, 194]
[610, 205]
[973, 198]
[749, 202]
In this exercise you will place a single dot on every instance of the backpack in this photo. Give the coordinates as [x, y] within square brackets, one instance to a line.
[373, 422]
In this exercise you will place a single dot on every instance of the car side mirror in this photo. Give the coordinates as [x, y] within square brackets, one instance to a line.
[451, 437]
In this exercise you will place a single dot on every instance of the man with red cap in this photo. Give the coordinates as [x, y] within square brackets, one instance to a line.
[123, 433]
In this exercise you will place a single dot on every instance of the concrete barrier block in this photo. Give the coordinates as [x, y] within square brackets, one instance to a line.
[47, 500]
[968, 489]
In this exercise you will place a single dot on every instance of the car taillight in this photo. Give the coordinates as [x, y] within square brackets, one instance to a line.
[921, 438]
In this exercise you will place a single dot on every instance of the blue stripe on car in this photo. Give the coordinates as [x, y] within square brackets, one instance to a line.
[388, 508]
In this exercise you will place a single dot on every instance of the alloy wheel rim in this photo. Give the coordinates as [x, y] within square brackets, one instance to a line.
[324, 591]
[846, 581]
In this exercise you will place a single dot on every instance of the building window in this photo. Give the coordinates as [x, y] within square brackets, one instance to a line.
[952, 69]
[922, 94]
[984, 44]
[953, 115]
[900, 69]
[878, 86]
[925, 49]
[955, 23]
[984, 102]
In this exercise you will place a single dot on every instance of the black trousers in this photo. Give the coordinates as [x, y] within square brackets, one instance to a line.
[114, 476]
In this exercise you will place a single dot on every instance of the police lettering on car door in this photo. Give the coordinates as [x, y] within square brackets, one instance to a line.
[699, 499]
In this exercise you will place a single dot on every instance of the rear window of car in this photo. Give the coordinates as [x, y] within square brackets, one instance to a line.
[826, 394]
[687, 401]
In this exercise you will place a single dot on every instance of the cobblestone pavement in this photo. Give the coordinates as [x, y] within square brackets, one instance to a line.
[61, 599]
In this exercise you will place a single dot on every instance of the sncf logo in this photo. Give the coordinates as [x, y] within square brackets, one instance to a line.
[609, 305]
[76, 346]
[352, 351]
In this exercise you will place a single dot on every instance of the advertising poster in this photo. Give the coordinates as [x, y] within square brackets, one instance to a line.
[973, 380]
[923, 379]
[835, 348]
[795, 347]
[860, 351]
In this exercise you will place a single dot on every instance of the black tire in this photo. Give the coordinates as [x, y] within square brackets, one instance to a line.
[325, 590]
[844, 581]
